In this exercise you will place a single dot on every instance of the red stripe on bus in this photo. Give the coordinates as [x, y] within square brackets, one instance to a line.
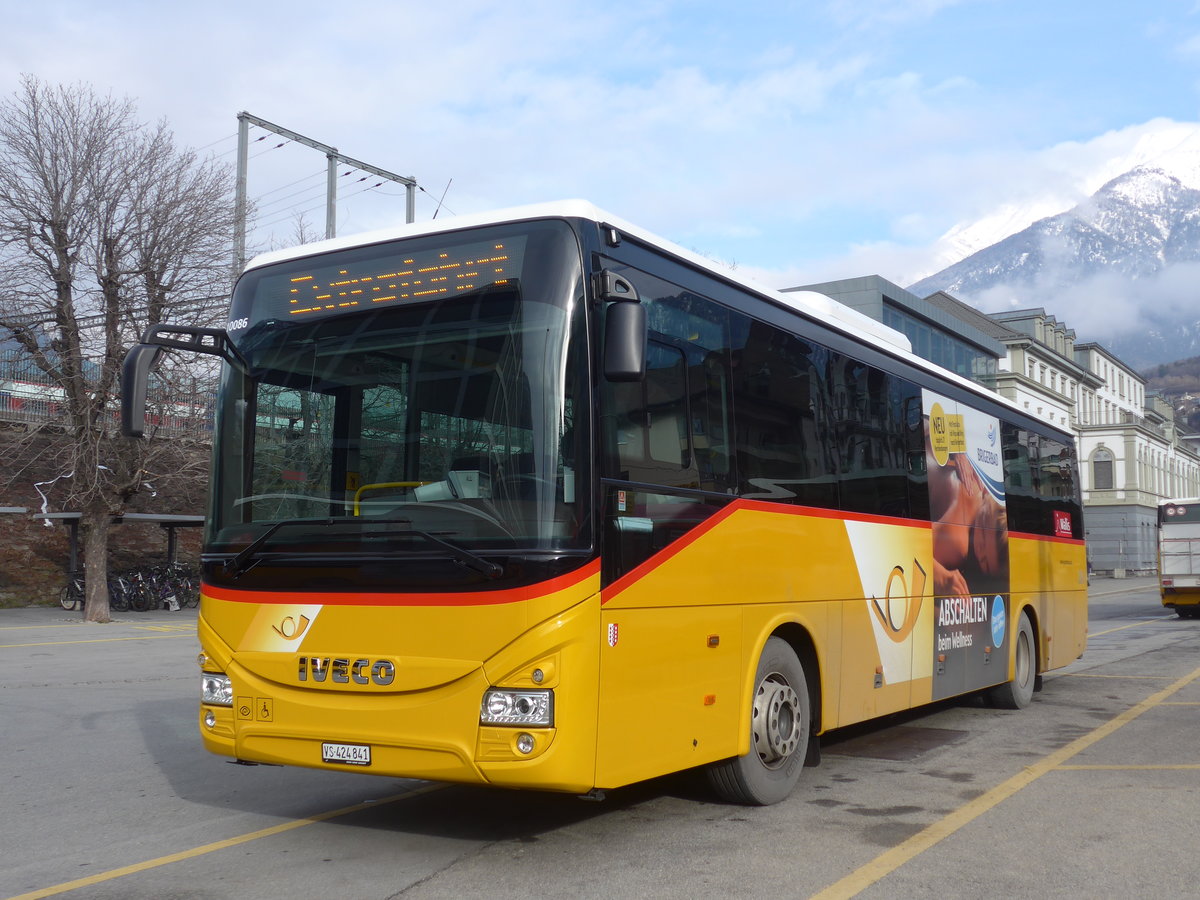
[478, 598]
[1025, 536]
[681, 543]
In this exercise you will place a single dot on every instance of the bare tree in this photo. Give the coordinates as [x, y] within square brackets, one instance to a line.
[302, 233]
[105, 227]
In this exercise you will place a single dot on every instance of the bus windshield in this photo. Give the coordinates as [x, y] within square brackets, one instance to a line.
[397, 427]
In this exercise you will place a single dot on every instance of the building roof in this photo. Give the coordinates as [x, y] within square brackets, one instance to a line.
[971, 316]
[869, 292]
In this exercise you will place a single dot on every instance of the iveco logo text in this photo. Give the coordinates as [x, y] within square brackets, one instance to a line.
[345, 670]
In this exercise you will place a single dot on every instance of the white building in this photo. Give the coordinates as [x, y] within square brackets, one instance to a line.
[1039, 371]
[1131, 455]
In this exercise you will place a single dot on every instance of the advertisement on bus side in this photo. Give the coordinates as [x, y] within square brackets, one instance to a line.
[965, 467]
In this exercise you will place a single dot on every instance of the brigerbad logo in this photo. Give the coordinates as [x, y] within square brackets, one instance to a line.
[999, 623]
[991, 435]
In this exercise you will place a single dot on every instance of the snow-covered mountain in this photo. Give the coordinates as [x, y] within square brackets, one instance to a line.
[1122, 267]
[1066, 174]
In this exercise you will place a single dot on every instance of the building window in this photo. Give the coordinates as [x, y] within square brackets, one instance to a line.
[941, 347]
[1102, 470]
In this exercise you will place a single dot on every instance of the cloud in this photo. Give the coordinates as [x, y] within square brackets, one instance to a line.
[802, 137]
[1098, 308]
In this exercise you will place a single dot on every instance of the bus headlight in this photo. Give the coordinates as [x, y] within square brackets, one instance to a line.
[502, 707]
[216, 689]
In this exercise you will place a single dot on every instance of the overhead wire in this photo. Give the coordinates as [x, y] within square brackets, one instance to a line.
[227, 137]
[290, 183]
[290, 216]
[269, 149]
[230, 151]
[306, 194]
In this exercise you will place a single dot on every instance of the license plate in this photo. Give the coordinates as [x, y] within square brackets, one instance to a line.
[346, 754]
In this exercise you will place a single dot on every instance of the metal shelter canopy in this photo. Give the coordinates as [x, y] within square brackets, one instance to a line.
[168, 522]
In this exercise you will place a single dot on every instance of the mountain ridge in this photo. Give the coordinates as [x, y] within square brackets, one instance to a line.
[1121, 267]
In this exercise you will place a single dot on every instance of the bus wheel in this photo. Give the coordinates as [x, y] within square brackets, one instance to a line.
[779, 730]
[1018, 693]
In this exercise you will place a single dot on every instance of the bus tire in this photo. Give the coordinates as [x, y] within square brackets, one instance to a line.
[780, 723]
[1018, 693]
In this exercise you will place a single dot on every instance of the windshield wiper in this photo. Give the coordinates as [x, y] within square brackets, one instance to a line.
[244, 559]
[461, 554]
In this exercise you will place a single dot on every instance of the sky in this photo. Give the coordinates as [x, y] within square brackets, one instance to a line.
[800, 142]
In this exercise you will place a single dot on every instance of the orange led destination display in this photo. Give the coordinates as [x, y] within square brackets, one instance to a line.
[389, 278]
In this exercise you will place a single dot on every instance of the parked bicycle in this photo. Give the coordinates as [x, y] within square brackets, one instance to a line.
[170, 586]
[74, 593]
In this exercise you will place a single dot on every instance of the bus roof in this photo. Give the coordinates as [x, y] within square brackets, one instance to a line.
[807, 302]
[811, 304]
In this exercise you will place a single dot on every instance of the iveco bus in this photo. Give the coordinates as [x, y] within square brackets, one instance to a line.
[537, 499]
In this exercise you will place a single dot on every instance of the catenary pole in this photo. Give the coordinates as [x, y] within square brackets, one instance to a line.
[245, 120]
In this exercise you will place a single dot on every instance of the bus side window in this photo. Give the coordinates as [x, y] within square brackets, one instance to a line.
[1058, 487]
[1021, 499]
[914, 451]
[708, 386]
[870, 414]
[674, 428]
[700, 329]
[782, 410]
[651, 420]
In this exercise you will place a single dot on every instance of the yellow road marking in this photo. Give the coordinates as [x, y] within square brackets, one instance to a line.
[137, 637]
[189, 626]
[1083, 768]
[113, 874]
[886, 863]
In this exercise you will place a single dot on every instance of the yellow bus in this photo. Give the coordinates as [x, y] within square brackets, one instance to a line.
[1179, 556]
[537, 499]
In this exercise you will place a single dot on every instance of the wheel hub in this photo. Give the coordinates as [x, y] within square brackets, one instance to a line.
[777, 721]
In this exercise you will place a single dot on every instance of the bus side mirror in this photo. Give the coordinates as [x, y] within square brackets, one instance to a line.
[135, 380]
[624, 329]
[135, 371]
